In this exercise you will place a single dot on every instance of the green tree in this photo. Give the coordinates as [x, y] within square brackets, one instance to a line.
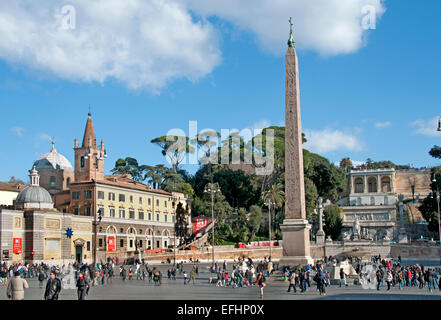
[311, 196]
[239, 226]
[175, 148]
[429, 206]
[332, 221]
[435, 152]
[346, 164]
[128, 166]
[254, 220]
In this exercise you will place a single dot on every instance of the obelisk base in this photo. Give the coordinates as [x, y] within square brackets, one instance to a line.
[296, 249]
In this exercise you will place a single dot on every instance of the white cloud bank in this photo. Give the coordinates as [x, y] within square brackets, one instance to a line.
[146, 44]
[329, 140]
[426, 127]
[328, 26]
[143, 44]
[19, 131]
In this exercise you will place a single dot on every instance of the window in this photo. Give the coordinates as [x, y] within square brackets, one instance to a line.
[112, 212]
[52, 181]
[385, 184]
[140, 200]
[131, 214]
[372, 184]
[101, 195]
[131, 243]
[150, 216]
[88, 245]
[359, 185]
[76, 210]
[122, 198]
[111, 196]
[87, 211]
[165, 217]
[122, 213]
[157, 244]
[140, 231]
[165, 203]
[157, 217]
[131, 199]
[75, 195]
[68, 182]
[157, 202]
[140, 243]
[121, 243]
[165, 244]
[101, 229]
[100, 242]
[82, 162]
[87, 194]
[173, 218]
[149, 244]
[121, 230]
[150, 202]
[141, 215]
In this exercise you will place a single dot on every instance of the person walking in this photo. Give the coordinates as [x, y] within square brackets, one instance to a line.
[292, 282]
[192, 275]
[53, 288]
[83, 287]
[430, 279]
[41, 278]
[379, 278]
[321, 283]
[342, 278]
[260, 281]
[389, 279]
[185, 277]
[16, 287]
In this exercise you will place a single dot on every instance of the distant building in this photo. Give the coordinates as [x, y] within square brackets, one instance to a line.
[55, 171]
[32, 231]
[9, 192]
[370, 198]
[372, 194]
[135, 217]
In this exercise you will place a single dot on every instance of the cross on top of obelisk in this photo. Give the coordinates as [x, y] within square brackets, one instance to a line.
[291, 41]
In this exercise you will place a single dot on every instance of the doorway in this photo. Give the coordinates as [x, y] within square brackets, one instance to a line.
[78, 254]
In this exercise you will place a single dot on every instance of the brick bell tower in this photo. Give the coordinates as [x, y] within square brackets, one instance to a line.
[89, 159]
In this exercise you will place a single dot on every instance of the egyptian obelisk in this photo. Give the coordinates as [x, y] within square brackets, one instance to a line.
[295, 227]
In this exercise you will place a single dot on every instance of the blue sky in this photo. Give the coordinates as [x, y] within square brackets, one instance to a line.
[376, 99]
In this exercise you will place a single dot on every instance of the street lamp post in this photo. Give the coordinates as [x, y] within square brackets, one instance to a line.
[439, 222]
[212, 189]
[269, 203]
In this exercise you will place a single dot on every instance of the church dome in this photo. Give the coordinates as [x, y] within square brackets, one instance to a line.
[34, 196]
[53, 160]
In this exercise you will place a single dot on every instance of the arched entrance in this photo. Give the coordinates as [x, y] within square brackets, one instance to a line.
[79, 244]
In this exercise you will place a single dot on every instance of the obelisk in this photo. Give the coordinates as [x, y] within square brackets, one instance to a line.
[295, 227]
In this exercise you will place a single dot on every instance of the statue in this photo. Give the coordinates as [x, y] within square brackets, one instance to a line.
[346, 235]
[356, 228]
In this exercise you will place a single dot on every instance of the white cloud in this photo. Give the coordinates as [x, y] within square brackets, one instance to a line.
[426, 127]
[328, 26]
[18, 131]
[143, 44]
[331, 140]
[382, 124]
[260, 125]
[355, 163]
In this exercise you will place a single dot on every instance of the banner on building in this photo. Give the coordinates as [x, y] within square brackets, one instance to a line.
[110, 244]
[16, 245]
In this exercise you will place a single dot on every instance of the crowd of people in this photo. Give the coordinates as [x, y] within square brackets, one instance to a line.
[244, 273]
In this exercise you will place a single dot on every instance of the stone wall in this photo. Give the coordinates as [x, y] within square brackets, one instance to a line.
[413, 251]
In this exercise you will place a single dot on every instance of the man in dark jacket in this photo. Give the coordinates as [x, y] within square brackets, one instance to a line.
[53, 288]
[83, 287]
[41, 277]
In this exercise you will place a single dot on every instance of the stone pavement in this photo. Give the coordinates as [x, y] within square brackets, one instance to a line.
[202, 290]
